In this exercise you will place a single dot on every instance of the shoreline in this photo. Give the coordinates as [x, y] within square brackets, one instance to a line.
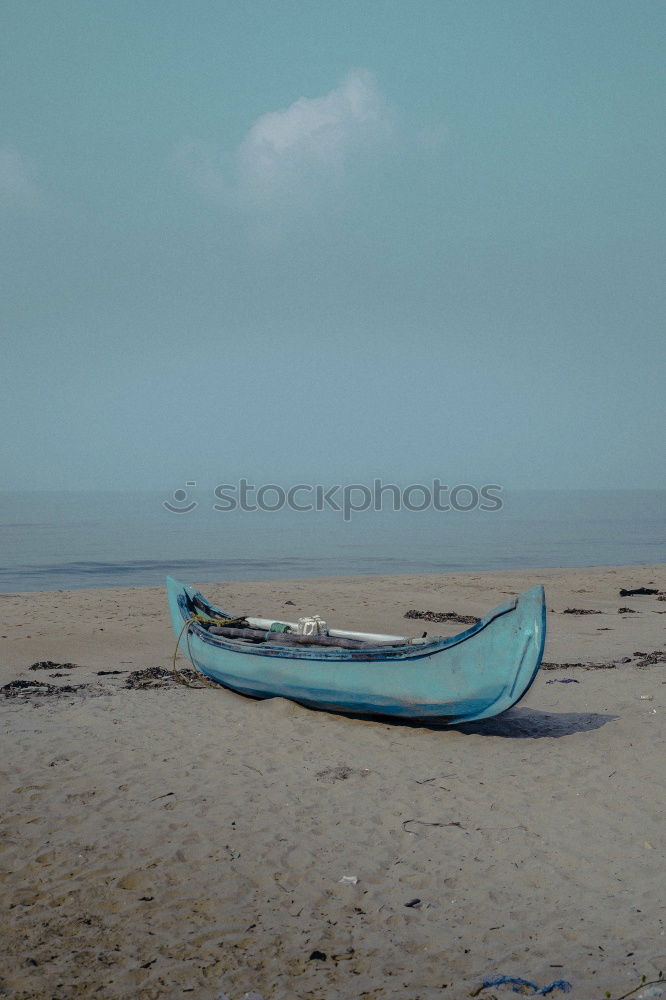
[260, 581]
[166, 839]
[281, 579]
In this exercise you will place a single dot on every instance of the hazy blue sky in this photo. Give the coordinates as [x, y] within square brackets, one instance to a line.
[332, 240]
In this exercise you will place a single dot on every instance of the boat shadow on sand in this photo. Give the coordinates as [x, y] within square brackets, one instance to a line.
[530, 723]
[515, 724]
[518, 723]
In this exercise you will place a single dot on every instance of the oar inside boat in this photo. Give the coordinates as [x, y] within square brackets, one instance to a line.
[285, 638]
[307, 631]
[377, 638]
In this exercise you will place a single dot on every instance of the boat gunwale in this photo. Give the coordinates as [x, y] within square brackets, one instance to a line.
[407, 651]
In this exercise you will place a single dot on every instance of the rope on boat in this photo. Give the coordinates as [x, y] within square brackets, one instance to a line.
[196, 619]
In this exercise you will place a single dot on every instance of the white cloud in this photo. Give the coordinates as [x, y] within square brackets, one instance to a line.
[312, 140]
[17, 188]
[290, 159]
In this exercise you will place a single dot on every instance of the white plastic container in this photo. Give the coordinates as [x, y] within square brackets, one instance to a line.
[312, 625]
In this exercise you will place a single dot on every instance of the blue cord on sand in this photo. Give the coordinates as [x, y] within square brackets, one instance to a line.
[516, 983]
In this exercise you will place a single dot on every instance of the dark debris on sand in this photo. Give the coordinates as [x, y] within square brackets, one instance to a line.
[647, 591]
[578, 666]
[341, 773]
[643, 660]
[52, 665]
[647, 659]
[580, 611]
[24, 689]
[442, 616]
[159, 677]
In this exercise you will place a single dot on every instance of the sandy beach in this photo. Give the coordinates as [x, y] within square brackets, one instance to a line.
[174, 841]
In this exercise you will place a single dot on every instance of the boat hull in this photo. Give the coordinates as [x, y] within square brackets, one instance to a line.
[477, 674]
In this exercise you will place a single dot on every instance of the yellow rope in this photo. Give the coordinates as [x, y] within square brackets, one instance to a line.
[196, 619]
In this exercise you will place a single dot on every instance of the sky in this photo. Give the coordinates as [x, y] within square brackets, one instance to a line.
[331, 241]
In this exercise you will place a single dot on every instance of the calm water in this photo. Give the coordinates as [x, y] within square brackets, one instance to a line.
[52, 541]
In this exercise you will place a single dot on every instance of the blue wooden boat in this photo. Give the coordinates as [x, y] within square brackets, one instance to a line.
[477, 674]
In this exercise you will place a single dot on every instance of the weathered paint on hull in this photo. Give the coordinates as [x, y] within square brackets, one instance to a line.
[475, 675]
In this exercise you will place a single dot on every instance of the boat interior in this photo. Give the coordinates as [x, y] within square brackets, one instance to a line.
[245, 631]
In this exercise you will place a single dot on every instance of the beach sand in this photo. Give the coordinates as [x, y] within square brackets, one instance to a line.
[181, 841]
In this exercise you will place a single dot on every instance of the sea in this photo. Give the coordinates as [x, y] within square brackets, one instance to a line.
[69, 540]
